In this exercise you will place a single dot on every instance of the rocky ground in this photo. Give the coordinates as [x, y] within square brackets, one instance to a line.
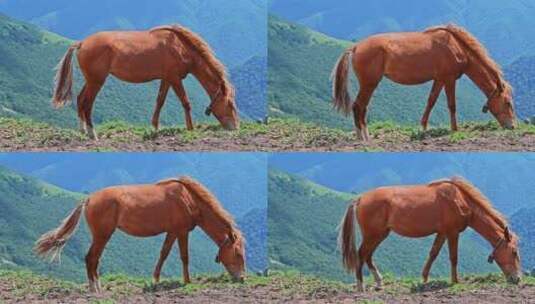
[25, 287]
[277, 135]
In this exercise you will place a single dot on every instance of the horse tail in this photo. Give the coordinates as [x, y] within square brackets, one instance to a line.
[346, 238]
[63, 79]
[340, 79]
[51, 243]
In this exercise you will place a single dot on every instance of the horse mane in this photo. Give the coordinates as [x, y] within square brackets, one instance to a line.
[476, 197]
[196, 43]
[476, 47]
[206, 198]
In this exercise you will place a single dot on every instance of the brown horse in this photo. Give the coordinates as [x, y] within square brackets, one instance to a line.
[168, 53]
[173, 206]
[444, 208]
[442, 54]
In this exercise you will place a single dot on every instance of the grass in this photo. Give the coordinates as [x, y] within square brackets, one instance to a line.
[288, 284]
[278, 134]
[115, 133]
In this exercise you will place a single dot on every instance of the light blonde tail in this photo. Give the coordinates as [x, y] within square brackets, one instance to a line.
[340, 78]
[63, 79]
[346, 239]
[51, 243]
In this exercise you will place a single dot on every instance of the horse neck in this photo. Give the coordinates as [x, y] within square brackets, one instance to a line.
[208, 79]
[213, 226]
[486, 226]
[484, 79]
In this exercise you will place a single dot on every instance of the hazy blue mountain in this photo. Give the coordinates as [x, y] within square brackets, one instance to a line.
[29, 54]
[235, 29]
[506, 178]
[299, 85]
[31, 207]
[521, 74]
[303, 218]
[237, 179]
[502, 26]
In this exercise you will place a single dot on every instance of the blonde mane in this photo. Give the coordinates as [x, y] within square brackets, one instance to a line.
[206, 198]
[196, 43]
[476, 197]
[475, 47]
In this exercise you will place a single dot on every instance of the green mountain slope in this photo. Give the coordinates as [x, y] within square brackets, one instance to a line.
[501, 25]
[523, 224]
[223, 173]
[521, 74]
[302, 222]
[235, 29]
[29, 55]
[31, 207]
[299, 67]
[505, 178]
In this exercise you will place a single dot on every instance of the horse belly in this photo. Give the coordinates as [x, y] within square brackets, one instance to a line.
[136, 69]
[415, 216]
[138, 60]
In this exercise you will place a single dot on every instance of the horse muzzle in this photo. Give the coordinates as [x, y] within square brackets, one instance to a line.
[514, 279]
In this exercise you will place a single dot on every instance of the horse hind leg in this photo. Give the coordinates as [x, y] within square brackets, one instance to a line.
[91, 92]
[371, 265]
[92, 260]
[360, 108]
[81, 112]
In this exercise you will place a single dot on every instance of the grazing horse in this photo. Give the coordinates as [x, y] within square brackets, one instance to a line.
[168, 53]
[442, 54]
[444, 207]
[173, 206]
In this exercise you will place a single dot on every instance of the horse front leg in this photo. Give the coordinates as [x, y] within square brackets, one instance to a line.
[178, 87]
[164, 253]
[453, 243]
[184, 256]
[431, 101]
[435, 250]
[450, 94]
[160, 100]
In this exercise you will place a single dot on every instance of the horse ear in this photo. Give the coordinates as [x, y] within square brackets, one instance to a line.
[506, 234]
[232, 236]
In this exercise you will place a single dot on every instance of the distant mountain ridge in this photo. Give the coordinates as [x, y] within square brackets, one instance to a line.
[235, 29]
[299, 85]
[502, 26]
[29, 55]
[31, 207]
[303, 218]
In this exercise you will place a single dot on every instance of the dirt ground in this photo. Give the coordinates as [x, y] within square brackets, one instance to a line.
[274, 293]
[276, 136]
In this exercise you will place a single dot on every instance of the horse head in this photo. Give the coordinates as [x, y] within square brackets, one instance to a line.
[507, 257]
[232, 255]
[500, 104]
[223, 107]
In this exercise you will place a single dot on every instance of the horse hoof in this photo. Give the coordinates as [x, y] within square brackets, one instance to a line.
[378, 288]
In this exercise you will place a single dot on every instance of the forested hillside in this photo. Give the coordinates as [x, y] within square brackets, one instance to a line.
[502, 26]
[235, 29]
[303, 218]
[29, 55]
[505, 178]
[299, 86]
[31, 207]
